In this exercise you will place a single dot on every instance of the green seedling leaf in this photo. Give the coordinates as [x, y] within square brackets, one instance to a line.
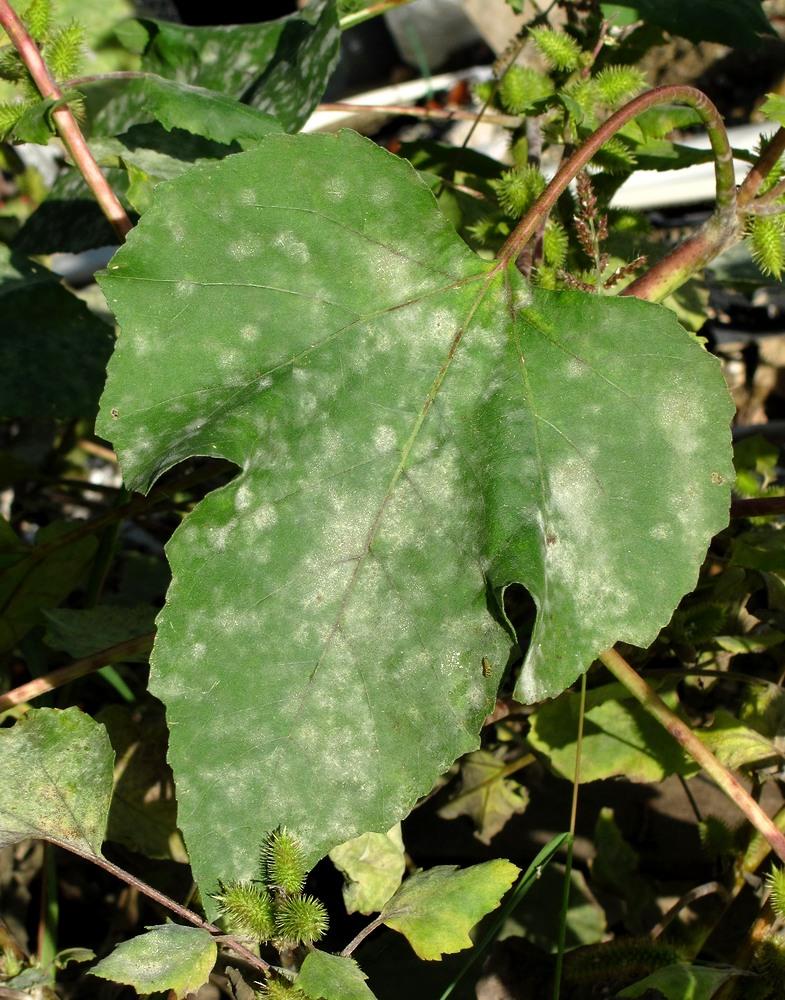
[33, 579]
[619, 737]
[760, 549]
[35, 125]
[82, 633]
[416, 429]
[737, 23]
[332, 977]
[55, 780]
[683, 982]
[435, 910]
[170, 957]
[373, 866]
[486, 795]
[46, 329]
[755, 642]
[35, 981]
[539, 921]
[615, 867]
[279, 67]
[774, 108]
[734, 744]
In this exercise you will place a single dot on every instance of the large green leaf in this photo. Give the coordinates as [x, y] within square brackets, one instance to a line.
[732, 22]
[416, 430]
[55, 780]
[116, 104]
[280, 67]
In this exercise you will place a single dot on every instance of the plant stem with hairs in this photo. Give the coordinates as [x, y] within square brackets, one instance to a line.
[721, 231]
[64, 121]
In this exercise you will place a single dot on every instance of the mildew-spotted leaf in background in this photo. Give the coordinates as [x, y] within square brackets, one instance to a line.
[281, 67]
[415, 429]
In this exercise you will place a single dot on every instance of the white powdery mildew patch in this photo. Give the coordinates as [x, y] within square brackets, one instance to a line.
[584, 546]
[264, 517]
[682, 424]
[576, 369]
[243, 59]
[244, 497]
[345, 534]
[522, 297]
[219, 536]
[384, 438]
[249, 332]
[230, 622]
[292, 247]
[242, 249]
[184, 289]
[194, 427]
[211, 52]
[228, 359]
[336, 188]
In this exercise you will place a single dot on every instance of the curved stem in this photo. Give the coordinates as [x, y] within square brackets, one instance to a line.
[723, 160]
[681, 732]
[65, 122]
[359, 938]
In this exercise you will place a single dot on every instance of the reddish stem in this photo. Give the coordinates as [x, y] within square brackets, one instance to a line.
[725, 213]
[65, 122]
[762, 167]
[166, 901]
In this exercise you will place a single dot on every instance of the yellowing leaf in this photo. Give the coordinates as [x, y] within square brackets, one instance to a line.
[487, 796]
[435, 910]
[373, 865]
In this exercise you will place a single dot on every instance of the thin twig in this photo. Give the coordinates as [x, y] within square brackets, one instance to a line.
[72, 671]
[166, 901]
[762, 167]
[65, 122]
[757, 507]
[441, 114]
[358, 940]
[681, 732]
